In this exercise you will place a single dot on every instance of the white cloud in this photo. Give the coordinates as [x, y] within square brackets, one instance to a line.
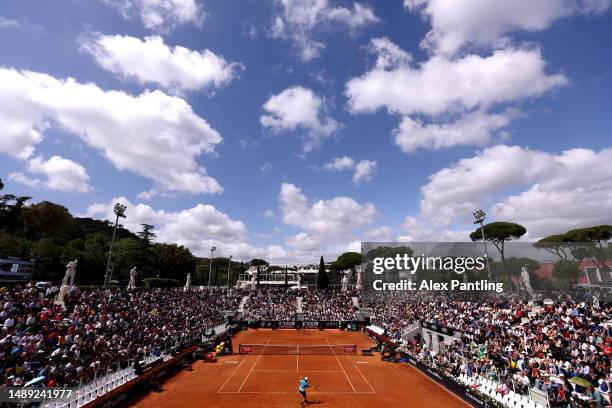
[299, 20]
[486, 23]
[417, 230]
[298, 107]
[62, 174]
[340, 164]
[23, 179]
[197, 228]
[364, 171]
[337, 218]
[160, 15]
[152, 61]
[153, 134]
[467, 89]
[549, 186]
[388, 54]
[266, 167]
[8, 23]
[269, 214]
[442, 85]
[380, 233]
[476, 128]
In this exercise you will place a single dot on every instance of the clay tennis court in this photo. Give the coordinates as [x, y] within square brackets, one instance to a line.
[272, 380]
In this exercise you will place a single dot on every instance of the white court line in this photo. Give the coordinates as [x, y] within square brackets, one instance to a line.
[341, 366]
[362, 362]
[303, 371]
[288, 392]
[256, 360]
[363, 376]
[231, 375]
[297, 363]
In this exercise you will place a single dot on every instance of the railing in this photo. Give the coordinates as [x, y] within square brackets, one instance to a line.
[102, 384]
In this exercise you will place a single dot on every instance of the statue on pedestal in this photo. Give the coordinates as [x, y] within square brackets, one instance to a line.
[68, 280]
[187, 283]
[345, 280]
[132, 282]
[526, 280]
[359, 285]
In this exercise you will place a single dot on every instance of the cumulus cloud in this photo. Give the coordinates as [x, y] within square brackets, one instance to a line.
[197, 228]
[476, 128]
[468, 90]
[299, 20]
[153, 134]
[61, 174]
[456, 25]
[299, 107]
[8, 23]
[340, 164]
[334, 220]
[152, 61]
[440, 85]
[160, 15]
[364, 171]
[537, 189]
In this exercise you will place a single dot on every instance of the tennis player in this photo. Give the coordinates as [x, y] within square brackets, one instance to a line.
[303, 385]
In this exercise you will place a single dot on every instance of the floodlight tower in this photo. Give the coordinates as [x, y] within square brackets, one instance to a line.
[479, 217]
[229, 263]
[119, 211]
[212, 250]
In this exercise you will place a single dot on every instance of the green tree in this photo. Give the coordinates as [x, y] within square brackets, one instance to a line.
[566, 272]
[322, 278]
[47, 220]
[48, 265]
[591, 244]
[12, 245]
[126, 255]
[11, 208]
[556, 245]
[258, 262]
[173, 261]
[498, 233]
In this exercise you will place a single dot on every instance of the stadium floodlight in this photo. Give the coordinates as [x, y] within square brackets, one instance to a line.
[479, 217]
[229, 263]
[119, 210]
[212, 250]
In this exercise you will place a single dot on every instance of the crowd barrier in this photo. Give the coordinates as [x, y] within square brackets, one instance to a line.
[298, 324]
[142, 383]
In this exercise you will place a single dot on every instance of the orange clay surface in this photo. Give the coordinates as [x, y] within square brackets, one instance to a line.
[272, 381]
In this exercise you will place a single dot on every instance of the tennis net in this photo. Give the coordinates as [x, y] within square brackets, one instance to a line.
[298, 349]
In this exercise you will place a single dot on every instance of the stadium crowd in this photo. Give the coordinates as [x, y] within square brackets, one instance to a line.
[328, 305]
[97, 330]
[518, 345]
[270, 305]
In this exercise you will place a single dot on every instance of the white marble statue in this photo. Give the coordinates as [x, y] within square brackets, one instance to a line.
[187, 283]
[526, 280]
[70, 273]
[359, 285]
[299, 281]
[345, 280]
[132, 282]
[68, 281]
[253, 283]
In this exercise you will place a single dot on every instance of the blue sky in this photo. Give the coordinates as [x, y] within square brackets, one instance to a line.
[285, 129]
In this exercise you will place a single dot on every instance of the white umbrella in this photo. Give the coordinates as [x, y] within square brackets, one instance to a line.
[34, 381]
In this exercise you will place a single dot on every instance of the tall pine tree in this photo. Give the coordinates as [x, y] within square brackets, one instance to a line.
[322, 278]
